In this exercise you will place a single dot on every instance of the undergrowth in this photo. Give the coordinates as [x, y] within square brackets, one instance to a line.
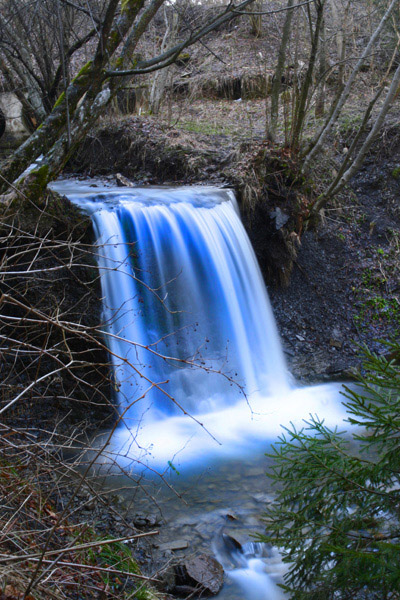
[47, 553]
[336, 516]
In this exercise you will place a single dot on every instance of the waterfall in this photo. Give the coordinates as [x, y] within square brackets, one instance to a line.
[187, 287]
[197, 361]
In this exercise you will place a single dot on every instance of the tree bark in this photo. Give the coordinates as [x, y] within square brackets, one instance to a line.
[320, 100]
[161, 77]
[304, 93]
[280, 66]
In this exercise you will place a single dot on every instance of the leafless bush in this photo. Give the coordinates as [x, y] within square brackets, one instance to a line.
[55, 391]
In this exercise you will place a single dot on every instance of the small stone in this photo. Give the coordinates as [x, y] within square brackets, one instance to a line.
[231, 517]
[123, 181]
[280, 217]
[174, 545]
[139, 520]
[264, 498]
[335, 343]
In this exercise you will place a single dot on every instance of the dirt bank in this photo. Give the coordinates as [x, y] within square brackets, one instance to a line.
[342, 284]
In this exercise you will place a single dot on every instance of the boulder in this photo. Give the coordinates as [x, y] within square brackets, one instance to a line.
[202, 574]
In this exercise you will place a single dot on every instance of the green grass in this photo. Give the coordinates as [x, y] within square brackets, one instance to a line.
[204, 128]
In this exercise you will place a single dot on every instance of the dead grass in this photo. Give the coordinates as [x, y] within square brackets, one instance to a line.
[234, 120]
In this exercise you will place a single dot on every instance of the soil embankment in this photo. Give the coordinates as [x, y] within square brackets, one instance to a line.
[332, 287]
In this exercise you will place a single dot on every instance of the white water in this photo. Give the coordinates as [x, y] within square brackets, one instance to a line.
[189, 325]
[254, 568]
[198, 366]
[255, 582]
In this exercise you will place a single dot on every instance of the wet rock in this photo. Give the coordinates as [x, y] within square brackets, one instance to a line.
[229, 551]
[123, 181]
[336, 339]
[174, 545]
[263, 498]
[202, 574]
[280, 217]
[145, 520]
[231, 517]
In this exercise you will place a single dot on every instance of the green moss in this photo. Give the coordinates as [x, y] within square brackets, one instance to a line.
[60, 99]
[128, 4]
[115, 37]
[396, 173]
[183, 59]
[35, 182]
[40, 175]
[84, 71]
[119, 63]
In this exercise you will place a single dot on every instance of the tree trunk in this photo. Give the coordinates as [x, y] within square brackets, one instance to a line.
[327, 127]
[256, 19]
[340, 40]
[280, 66]
[366, 146]
[320, 100]
[161, 77]
[304, 92]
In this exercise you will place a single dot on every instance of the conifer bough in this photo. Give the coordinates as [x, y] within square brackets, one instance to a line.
[336, 517]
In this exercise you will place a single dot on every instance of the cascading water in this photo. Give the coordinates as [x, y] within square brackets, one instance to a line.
[198, 368]
[187, 287]
[189, 326]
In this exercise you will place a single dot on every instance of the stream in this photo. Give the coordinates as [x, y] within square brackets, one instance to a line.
[200, 377]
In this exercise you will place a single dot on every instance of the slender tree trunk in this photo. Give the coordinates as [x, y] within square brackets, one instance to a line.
[25, 71]
[280, 66]
[366, 146]
[353, 146]
[340, 40]
[29, 109]
[327, 127]
[320, 100]
[161, 77]
[304, 92]
[255, 19]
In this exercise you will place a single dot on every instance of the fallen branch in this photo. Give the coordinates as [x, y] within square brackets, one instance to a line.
[6, 559]
[102, 569]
